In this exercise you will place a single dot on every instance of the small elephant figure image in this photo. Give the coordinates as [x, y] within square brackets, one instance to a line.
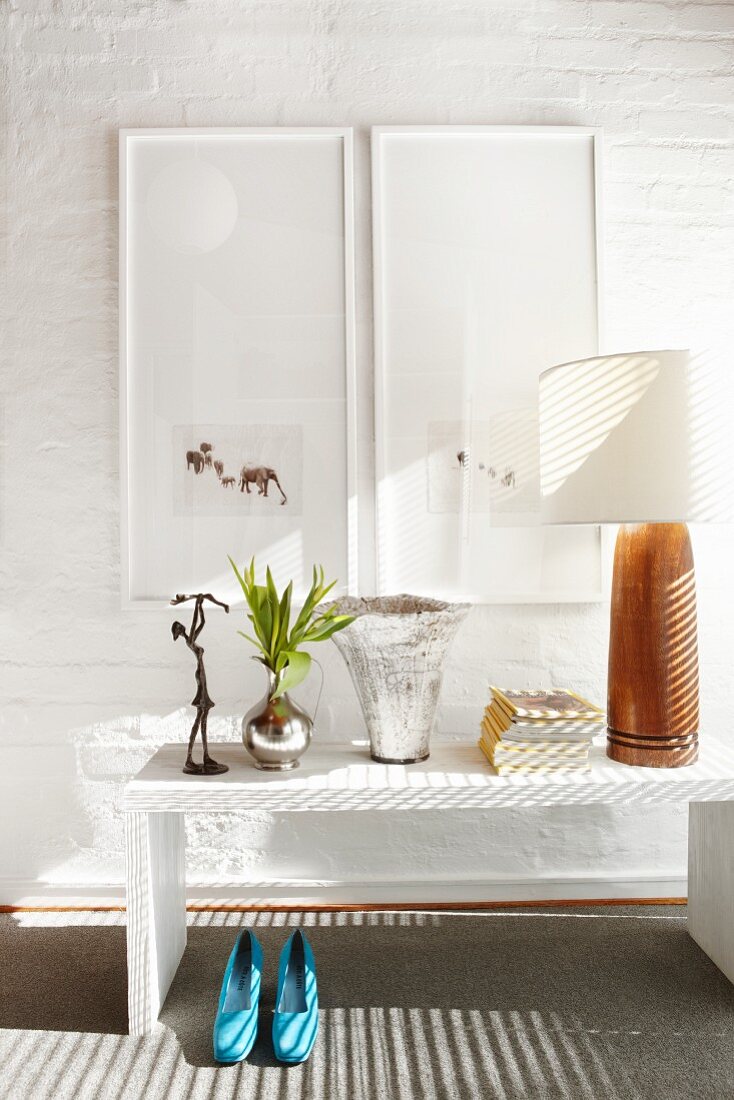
[218, 468]
[227, 482]
[195, 459]
[260, 476]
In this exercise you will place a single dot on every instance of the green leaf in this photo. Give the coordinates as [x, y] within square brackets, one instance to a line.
[263, 613]
[301, 624]
[294, 673]
[274, 605]
[281, 661]
[258, 629]
[285, 617]
[264, 638]
[254, 641]
[324, 591]
[321, 633]
[242, 579]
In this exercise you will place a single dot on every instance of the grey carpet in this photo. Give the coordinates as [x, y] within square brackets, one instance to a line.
[607, 1004]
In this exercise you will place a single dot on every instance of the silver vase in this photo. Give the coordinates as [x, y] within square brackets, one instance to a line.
[276, 732]
[395, 650]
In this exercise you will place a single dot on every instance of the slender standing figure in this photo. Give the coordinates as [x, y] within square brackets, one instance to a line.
[202, 700]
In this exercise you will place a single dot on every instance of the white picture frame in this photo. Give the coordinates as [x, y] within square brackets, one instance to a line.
[472, 226]
[249, 232]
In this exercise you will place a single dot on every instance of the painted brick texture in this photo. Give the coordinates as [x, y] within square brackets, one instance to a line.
[83, 685]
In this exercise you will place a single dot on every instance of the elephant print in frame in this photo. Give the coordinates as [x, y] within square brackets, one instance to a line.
[486, 259]
[236, 306]
[254, 464]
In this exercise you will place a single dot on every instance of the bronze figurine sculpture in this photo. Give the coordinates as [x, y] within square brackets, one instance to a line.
[202, 700]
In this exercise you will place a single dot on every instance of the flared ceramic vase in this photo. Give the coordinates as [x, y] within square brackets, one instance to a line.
[395, 651]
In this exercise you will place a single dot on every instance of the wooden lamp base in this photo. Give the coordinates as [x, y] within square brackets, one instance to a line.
[652, 704]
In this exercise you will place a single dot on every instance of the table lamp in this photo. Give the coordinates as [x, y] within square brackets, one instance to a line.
[628, 439]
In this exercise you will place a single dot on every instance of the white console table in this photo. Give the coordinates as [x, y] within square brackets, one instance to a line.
[341, 777]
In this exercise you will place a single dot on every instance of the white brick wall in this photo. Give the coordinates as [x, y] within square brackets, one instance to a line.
[81, 683]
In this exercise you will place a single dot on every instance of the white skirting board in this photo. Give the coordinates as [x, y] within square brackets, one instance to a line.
[387, 892]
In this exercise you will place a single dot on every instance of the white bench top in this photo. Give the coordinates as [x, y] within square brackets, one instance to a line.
[341, 776]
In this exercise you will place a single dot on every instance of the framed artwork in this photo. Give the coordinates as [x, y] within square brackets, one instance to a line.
[486, 261]
[237, 358]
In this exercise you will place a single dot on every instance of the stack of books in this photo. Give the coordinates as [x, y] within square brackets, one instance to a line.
[525, 732]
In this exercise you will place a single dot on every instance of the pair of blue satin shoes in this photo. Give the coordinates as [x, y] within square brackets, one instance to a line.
[296, 1017]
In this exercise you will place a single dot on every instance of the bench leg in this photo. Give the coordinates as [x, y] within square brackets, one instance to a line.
[711, 881]
[156, 912]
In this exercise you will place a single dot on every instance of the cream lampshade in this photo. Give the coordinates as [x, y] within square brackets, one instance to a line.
[638, 439]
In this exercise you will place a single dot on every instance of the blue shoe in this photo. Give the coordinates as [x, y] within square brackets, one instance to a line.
[296, 1018]
[235, 1026]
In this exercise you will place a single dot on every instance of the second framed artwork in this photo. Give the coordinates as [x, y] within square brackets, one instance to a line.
[237, 358]
[486, 262]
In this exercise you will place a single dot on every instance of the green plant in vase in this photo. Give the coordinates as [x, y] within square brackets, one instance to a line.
[277, 732]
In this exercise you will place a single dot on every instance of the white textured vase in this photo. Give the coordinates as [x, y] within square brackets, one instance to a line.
[395, 650]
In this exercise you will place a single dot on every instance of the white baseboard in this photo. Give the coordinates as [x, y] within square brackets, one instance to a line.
[386, 892]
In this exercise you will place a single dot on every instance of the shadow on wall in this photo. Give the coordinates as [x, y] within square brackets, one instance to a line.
[60, 803]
